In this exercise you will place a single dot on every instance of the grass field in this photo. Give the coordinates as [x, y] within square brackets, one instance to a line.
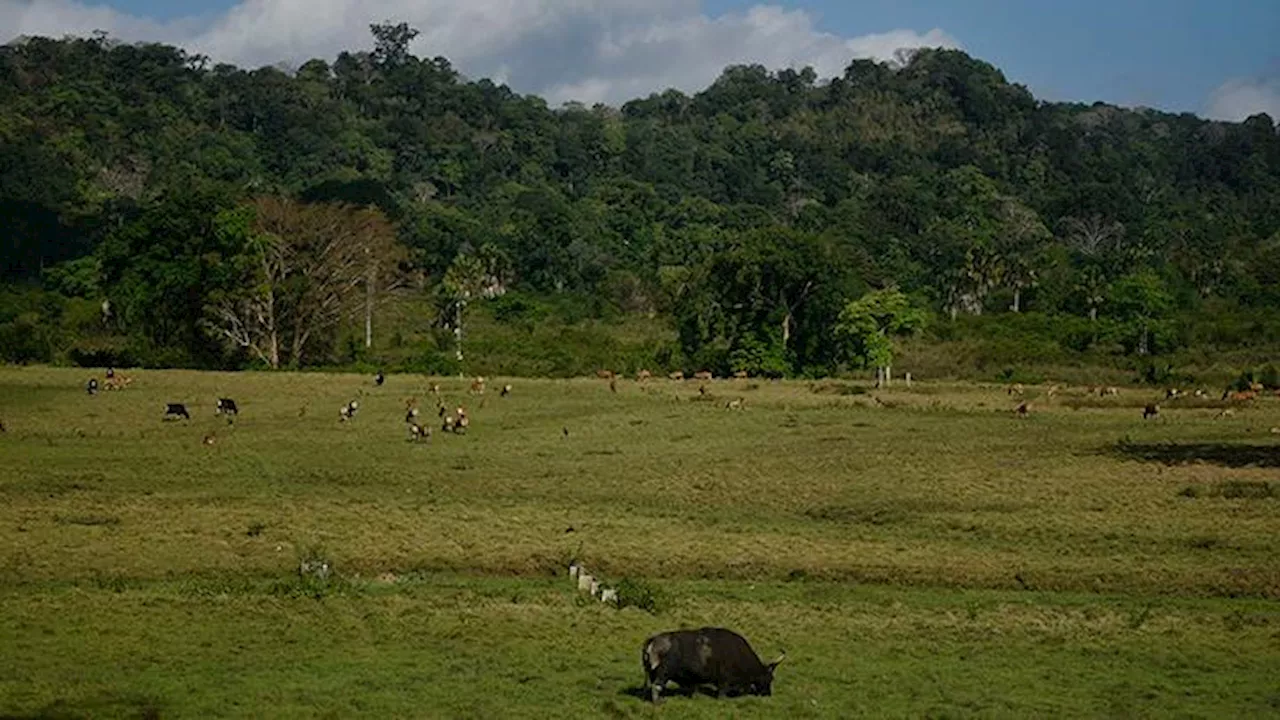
[917, 552]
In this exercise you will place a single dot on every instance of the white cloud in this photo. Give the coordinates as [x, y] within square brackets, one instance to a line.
[1237, 99]
[588, 50]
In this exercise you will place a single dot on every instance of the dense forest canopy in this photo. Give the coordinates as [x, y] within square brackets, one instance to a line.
[749, 216]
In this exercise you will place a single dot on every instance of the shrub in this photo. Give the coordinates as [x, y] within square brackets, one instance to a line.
[643, 595]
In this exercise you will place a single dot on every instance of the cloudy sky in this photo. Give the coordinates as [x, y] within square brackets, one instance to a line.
[1217, 59]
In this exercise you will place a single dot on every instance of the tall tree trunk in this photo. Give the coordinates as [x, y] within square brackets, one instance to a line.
[786, 330]
[368, 312]
[267, 317]
[1017, 299]
[457, 334]
[273, 332]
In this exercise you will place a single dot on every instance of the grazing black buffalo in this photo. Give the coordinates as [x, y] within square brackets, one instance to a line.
[707, 656]
[176, 410]
[228, 406]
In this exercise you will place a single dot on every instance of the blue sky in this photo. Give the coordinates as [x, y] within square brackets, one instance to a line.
[1214, 58]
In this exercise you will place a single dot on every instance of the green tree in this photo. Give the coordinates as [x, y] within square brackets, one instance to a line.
[1141, 301]
[868, 326]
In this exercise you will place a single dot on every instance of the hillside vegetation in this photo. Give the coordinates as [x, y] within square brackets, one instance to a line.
[725, 230]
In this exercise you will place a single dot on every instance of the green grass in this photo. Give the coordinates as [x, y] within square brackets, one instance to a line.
[916, 552]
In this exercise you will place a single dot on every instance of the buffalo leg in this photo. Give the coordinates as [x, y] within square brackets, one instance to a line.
[653, 684]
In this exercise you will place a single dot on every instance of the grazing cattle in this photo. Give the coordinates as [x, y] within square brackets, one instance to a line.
[574, 569]
[677, 375]
[477, 386]
[435, 389]
[1239, 396]
[111, 372]
[1150, 411]
[706, 656]
[1172, 394]
[379, 379]
[584, 581]
[456, 424]
[608, 595]
[506, 390]
[734, 404]
[348, 411]
[410, 415]
[1108, 391]
[176, 410]
[118, 382]
[605, 374]
[226, 406]
[91, 387]
[1201, 394]
[741, 375]
[1015, 389]
[643, 375]
[1023, 410]
[418, 432]
[1226, 412]
[210, 439]
[703, 375]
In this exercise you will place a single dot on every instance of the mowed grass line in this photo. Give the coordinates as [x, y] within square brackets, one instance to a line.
[923, 552]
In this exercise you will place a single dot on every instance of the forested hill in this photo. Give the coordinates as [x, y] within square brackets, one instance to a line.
[749, 215]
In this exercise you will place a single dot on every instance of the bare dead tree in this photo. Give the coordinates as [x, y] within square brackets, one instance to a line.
[306, 263]
[1092, 236]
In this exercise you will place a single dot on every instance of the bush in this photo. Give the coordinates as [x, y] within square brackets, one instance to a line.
[643, 595]
[1269, 376]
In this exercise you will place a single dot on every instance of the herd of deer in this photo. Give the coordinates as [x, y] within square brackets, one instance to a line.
[1151, 409]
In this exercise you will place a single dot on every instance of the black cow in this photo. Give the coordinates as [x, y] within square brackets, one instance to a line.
[706, 656]
[176, 410]
[228, 406]
[379, 378]
[91, 387]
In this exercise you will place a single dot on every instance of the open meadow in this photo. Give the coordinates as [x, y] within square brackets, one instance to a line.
[915, 551]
